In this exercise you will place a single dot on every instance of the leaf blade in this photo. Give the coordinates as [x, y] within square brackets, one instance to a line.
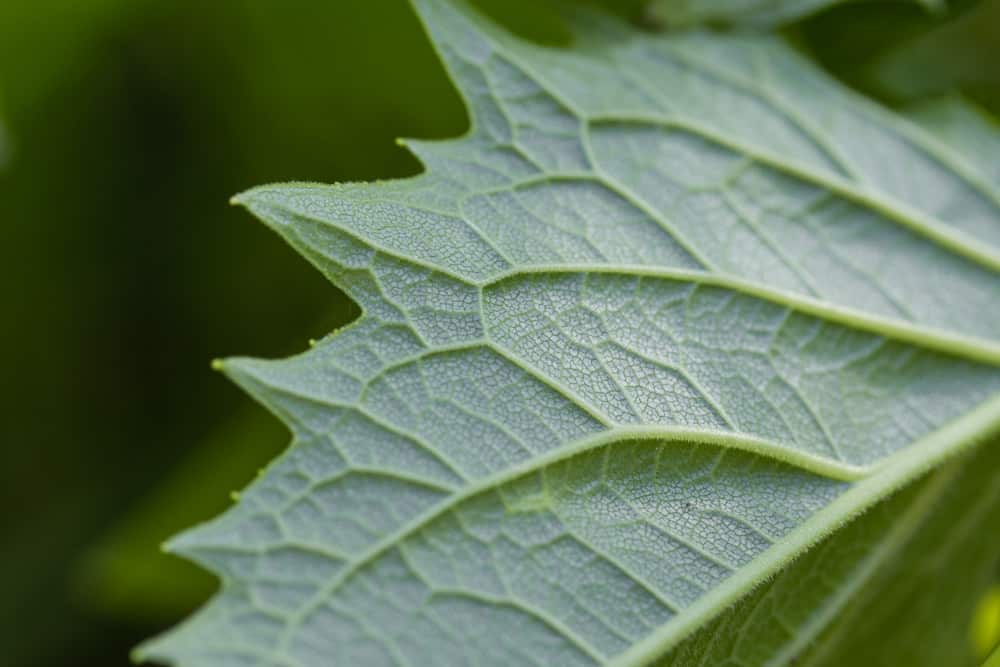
[522, 313]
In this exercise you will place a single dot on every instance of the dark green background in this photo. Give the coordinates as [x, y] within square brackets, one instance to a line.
[130, 123]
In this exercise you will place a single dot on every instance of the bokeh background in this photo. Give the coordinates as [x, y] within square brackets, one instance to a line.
[125, 126]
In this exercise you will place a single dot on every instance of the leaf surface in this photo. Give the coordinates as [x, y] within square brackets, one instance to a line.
[880, 592]
[919, 607]
[966, 128]
[759, 13]
[675, 309]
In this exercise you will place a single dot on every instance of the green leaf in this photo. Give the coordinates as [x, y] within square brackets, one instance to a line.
[842, 603]
[674, 310]
[944, 58]
[759, 13]
[966, 128]
[919, 607]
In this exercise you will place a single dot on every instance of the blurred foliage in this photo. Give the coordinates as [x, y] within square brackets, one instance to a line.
[125, 574]
[958, 53]
[899, 53]
[4, 144]
[985, 630]
[131, 123]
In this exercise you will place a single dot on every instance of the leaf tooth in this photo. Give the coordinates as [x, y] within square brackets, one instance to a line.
[301, 391]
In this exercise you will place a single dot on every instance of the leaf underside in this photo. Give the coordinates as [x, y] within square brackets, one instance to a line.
[758, 13]
[674, 310]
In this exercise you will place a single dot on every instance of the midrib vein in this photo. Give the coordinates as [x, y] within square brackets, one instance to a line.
[981, 504]
[956, 240]
[890, 475]
[974, 349]
[922, 139]
[817, 140]
[871, 482]
[809, 463]
[953, 239]
[869, 486]
[904, 527]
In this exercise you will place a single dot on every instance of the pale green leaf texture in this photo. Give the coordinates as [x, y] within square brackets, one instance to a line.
[676, 309]
[919, 607]
[967, 128]
[759, 13]
[897, 586]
